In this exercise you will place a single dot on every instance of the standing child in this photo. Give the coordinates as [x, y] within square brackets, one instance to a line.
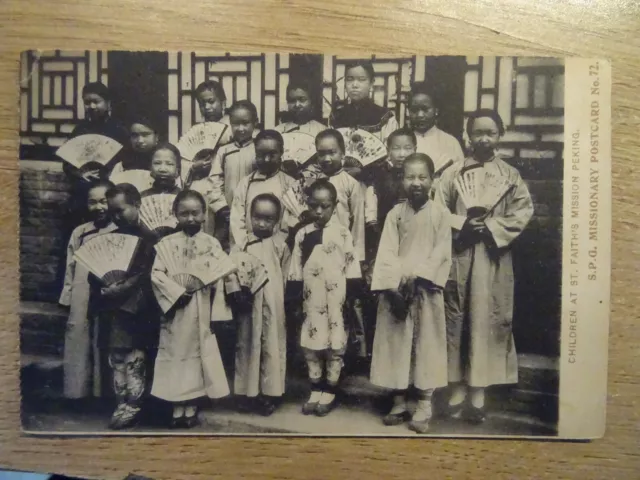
[165, 170]
[123, 308]
[479, 294]
[81, 363]
[188, 365]
[261, 352]
[412, 267]
[324, 270]
[143, 139]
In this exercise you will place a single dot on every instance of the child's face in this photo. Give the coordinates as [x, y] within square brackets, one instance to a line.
[330, 155]
[143, 139]
[242, 124]
[190, 215]
[268, 156]
[95, 107]
[97, 205]
[122, 213]
[264, 218]
[416, 182]
[358, 84]
[400, 148]
[211, 107]
[321, 206]
[484, 137]
[422, 113]
[164, 166]
[299, 105]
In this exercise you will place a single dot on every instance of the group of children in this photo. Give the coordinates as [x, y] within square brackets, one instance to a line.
[383, 262]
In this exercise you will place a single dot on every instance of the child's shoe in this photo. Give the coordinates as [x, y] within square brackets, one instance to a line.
[127, 419]
[311, 404]
[422, 417]
[327, 402]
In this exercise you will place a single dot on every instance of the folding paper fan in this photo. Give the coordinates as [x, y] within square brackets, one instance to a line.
[252, 273]
[299, 147]
[108, 256]
[201, 136]
[141, 179]
[156, 212]
[481, 190]
[294, 199]
[363, 146]
[193, 264]
[89, 149]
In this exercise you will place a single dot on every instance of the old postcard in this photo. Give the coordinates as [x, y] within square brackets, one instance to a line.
[296, 244]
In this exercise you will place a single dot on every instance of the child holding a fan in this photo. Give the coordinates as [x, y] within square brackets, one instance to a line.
[187, 279]
[479, 293]
[324, 272]
[261, 352]
[411, 269]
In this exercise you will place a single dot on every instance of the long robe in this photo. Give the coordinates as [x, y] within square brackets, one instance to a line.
[81, 366]
[231, 163]
[412, 351]
[261, 352]
[479, 295]
[188, 365]
[248, 188]
[351, 209]
[323, 272]
[442, 148]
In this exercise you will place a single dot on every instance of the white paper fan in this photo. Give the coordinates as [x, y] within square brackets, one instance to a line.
[108, 256]
[156, 212]
[294, 199]
[199, 137]
[363, 146]
[252, 273]
[89, 149]
[141, 179]
[298, 146]
[193, 265]
[481, 189]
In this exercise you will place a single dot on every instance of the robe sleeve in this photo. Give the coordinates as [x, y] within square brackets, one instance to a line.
[285, 261]
[519, 210]
[356, 208]
[386, 272]
[237, 219]
[166, 291]
[370, 205]
[436, 266]
[217, 199]
[445, 195]
[70, 270]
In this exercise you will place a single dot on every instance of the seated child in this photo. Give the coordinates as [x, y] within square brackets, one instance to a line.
[324, 270]
[412, 267]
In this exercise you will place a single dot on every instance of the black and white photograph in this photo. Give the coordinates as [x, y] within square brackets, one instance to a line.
[292, 244]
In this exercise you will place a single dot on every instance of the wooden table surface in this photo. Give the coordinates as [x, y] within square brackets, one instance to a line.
[587, 28]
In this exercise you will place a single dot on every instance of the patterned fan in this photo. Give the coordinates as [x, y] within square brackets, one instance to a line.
[295, 200]
[299, 147]
[363, 146]
[481, 190]
[141, 179]
[193, 264]
[252, 273]
[156, 212]
[89, 149]
[199, 137]
[108, 256]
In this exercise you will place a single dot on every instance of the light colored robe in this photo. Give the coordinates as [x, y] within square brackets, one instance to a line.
[412, 351]
[188, 365]
[248, 188]
[205, 187]
[261, 352]
[82, 377]
[324, 278]
[480, 290]
[350, 210]
[442, 148]
[231, 163]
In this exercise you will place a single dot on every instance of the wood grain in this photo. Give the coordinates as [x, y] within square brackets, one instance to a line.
[588, 28]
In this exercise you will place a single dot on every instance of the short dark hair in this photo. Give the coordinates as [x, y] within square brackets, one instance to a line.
[323, 184]
[421, 158]
[365, 64]
[247, 105]
[186, 194]
[213, 86]
[97, 88]
[142, 120]
[130, 193]
[267, 197]
[298, 85]
[106, 184]
[173, 149]
[402, 132]
[332, 133]
[270, 135]
[421, 88]
[485, 112]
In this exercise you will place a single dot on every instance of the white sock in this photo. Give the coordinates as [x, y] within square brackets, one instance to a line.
[423, 411]
[315, 396]
[458, 395]
[190, 411]
[326, 398]
[178, 411]
[477, 397]
[399, 405]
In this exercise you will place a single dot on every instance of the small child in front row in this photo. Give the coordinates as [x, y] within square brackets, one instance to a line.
[411, 270]
[188, 366]
[261, 351]
[324, 270]
[165, 170]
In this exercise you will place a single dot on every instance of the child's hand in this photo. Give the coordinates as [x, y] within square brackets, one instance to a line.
[91, 175]
[306, 217]
[407, 282]
[202, 160]
[113, 290]
[398, 304]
